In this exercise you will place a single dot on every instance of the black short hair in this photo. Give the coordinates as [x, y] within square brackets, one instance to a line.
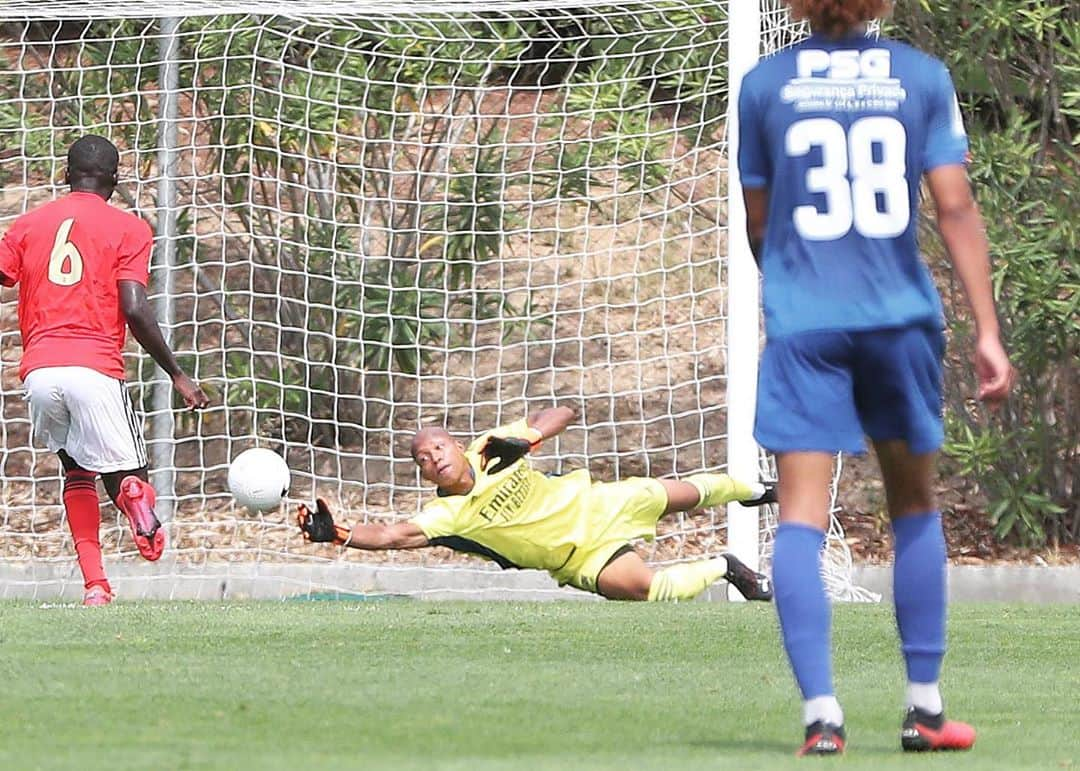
[93, 158]
[422, 434]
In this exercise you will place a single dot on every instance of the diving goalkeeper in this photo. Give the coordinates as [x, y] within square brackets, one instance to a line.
[492, 503]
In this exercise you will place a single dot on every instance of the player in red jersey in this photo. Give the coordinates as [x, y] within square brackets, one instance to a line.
[82, 268]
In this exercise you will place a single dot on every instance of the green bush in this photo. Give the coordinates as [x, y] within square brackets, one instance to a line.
[1017, 69]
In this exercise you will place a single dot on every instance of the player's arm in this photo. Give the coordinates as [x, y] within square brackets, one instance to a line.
[319, 527]
[548, 422]
[756, 202]
[376, 536]
[144, 327]
[10, 251]
[512, 443]
[755, 166]
[964, 235]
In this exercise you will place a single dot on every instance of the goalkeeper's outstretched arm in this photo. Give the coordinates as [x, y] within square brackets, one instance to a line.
[375, 536]
[549, 422]
[319, 527]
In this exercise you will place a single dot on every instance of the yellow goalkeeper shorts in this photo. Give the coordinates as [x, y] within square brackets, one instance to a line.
[622, 512]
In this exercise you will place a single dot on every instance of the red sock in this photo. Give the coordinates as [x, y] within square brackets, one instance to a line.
[84, 519]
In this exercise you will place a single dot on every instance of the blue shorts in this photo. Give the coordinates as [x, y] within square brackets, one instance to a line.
[825, 391]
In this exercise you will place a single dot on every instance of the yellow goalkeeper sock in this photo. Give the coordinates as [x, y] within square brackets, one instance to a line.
[686, 581]
[716, 489]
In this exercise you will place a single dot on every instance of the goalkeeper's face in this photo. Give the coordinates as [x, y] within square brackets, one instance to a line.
[441, 459]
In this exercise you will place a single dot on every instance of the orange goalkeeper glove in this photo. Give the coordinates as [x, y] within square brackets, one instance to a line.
[318, 526]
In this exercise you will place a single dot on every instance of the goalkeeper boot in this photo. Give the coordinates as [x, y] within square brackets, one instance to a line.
[751, 584]
[96, 595]
[823, 739]
[767, 497]
[136, 500]
[923, 732]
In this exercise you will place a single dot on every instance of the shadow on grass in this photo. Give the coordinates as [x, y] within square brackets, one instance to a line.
[785, 749]
[745, 745]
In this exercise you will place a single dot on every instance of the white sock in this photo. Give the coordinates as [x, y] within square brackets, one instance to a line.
[756, 490]
[925, 696]
[824, 708]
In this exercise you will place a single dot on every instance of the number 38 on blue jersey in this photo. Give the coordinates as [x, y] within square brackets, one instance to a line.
[840, 132]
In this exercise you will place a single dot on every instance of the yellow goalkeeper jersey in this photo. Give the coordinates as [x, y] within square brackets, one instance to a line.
[519, 517]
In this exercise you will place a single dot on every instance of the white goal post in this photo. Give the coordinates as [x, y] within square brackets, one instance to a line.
[376, 215]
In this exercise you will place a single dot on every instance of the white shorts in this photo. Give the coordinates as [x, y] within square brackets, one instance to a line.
[88, 415]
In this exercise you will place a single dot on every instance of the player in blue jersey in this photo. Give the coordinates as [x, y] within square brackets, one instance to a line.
[835, 136]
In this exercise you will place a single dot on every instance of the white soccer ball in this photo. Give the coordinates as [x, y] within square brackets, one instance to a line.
[258, 479]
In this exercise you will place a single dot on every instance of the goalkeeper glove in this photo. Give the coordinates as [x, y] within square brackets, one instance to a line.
[318, 526]
[508, 449]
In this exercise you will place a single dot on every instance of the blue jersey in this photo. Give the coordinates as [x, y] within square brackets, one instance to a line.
[841, 132]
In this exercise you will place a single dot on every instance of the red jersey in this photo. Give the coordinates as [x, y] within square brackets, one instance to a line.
[67, 257]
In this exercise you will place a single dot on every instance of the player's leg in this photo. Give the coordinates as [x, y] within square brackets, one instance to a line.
[919, 592]
[799, 593]
[899, 397]
[805, 413]
[714, 490]
[692, 578]
[708, 490]
[113, 479]
[84, 521]
[627, 577]
[633, 507]
[51, 423]
[133, 494]
[106, 435]
[919, 578]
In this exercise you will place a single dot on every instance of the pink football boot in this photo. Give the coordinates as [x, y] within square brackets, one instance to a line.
[924, 732]
[136, 500]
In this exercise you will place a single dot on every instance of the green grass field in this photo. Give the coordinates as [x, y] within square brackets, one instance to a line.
[412, 685]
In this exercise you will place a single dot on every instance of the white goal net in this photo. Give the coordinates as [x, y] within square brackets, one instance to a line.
[373, 216]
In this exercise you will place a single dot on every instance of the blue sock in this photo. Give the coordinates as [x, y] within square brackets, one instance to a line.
[919, 593]
[803, 608]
